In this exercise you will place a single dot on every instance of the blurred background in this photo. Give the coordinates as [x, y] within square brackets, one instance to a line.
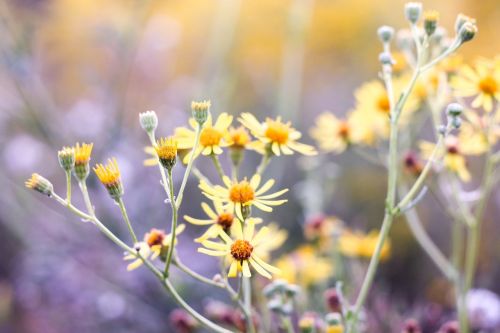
[82, 70]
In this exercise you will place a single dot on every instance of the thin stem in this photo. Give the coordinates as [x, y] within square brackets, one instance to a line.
[247, 301]
[176, 261]
[173, 228]
[127, 220]
[218, 166]
[68, 187]
[86, 198]
[189, 166]
[266, 158]
[152, 139]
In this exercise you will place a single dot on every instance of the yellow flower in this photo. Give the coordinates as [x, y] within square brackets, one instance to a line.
[82, 153]
[243, 194]
[474, 137]
[156, 243]
[322, 230]
[337, 328]
[40, 184]
[166, 150]
[212, 137]
[238, 138]
[304, 267]
[452, 154]
[273, 240]
[355, 244]
[275, 135]
[221, 219]
[109, 175]
[241, 250]
[481, 81]
[333, 134]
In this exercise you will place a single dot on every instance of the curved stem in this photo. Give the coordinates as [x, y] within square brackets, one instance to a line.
[176, 261]
[127, 220]
[86, 198]
[188, 168]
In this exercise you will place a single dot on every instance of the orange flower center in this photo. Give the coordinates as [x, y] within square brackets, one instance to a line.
[488, 85]
[210, 137]
[343, 130]
[239, 137]
[383, 104]
[277, 131]
[155, 237]
[225, 220]
[241, 250]
[241, 192]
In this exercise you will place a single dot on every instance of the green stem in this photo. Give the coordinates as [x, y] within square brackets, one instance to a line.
[68, 187]
[264, 162]
[188, 168]
[86, 198]
[247, 301]
[195, 275]
[127, 220]
[218, 166]
[173, 229]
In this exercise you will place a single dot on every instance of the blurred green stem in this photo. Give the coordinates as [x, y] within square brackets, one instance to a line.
[68, 187]
[173, 228]
[127, 220]
[178, 201]
[218, 166]
[86, 198]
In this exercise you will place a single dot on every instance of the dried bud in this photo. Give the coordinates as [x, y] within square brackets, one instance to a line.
[413, 11]
[40, 184]
[66, 158]
[200, 111]
[430, 21]
[385, 33]
[149, 121]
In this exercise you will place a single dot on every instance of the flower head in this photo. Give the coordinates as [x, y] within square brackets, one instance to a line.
[39, 184]
[276, 136]
[212, 136]
[241, 195]
[148, 121]
[200, 111]
[109, 175]
[219, 219]
[355, 244]
[333, 134]
[166, 149]
[66, 157]
[240, 250]
[82, 159]
[238, 138]
[482, 81]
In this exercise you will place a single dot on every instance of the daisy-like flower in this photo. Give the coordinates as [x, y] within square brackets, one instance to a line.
[109, 175]
[355, 244]
[155, 244]
[275, 135]
[240, 250]
[166, 150]
[82, 159]
[212, 136]
[482, 81]
[219, 219]
[478, 132]
[238, 138]
[240, 195]
[452, 154]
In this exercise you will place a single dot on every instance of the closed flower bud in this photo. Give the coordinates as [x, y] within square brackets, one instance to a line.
[442, 129]
[385, 33]
[82, 159]
[292, 290]
[467, 32]
[40, 184]
[200, 111]
[450, 327]
[413, 11]
[430, 21]
[385, 58]
[454, 109]
[183, 321]
[109, 175]
[166, 149]
[461, 20]
[66, 158]
[456, 122]
[149, 121]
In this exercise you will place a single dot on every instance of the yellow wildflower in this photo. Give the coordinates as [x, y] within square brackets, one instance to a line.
[109, 175]
[238, 138]
[481, 81]
[355, 244]
[212, 136]
[40, 184]
[239, 195]
[82, 158]
[241, 250]
[220, 219]
[331, 133]
[275, 135]
[166, 150]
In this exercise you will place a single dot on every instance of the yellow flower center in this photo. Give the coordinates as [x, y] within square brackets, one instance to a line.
[241, 250]
[276, 131]
[210, 137]
[488, 85]
[241, 192]
[383, 104]
[155, 237]
[239, 137]
[225, 220]
[343, 130]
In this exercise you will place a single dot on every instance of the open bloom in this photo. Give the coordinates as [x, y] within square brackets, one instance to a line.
[240, 250]
[82, 159]
[212, 136]
[482, 81]
[238, 195]
[109, 175]
[155, 244]
[275, 135]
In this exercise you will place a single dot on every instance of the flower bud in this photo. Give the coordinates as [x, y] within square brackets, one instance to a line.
[200, 111]
[456, 122]
[307, 324]
[413, 10]
[404, 39]
[467, 32]
[430, 21]
[450, 327]
[66, 158]
[442, 129]
[149, 121]
[82, 159]
[109, 175]
[275, 305]
[385, 58]
[385, 33]
[292, 290]
[461, 20]
[166, 149]
[40, 184]
[454, 109]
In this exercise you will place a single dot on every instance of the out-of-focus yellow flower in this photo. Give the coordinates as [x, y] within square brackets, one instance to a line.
[304, 267]
[155, 244]
[238, 138]
[356, 244]
[372, 110]
[273, 240]
[400, 65]
[212, 136]
[337, 328]
[452, 154]
[275, 135]
[333, 134]
[241, 195]
[220, 219]
[322, 229]
[241, 251]
[481, 81]
[477, 133]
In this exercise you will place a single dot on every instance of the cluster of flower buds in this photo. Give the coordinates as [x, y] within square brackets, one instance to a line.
[281, 296]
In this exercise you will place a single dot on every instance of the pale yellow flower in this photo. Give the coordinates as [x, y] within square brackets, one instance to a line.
[331, 133]
[356, 244]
